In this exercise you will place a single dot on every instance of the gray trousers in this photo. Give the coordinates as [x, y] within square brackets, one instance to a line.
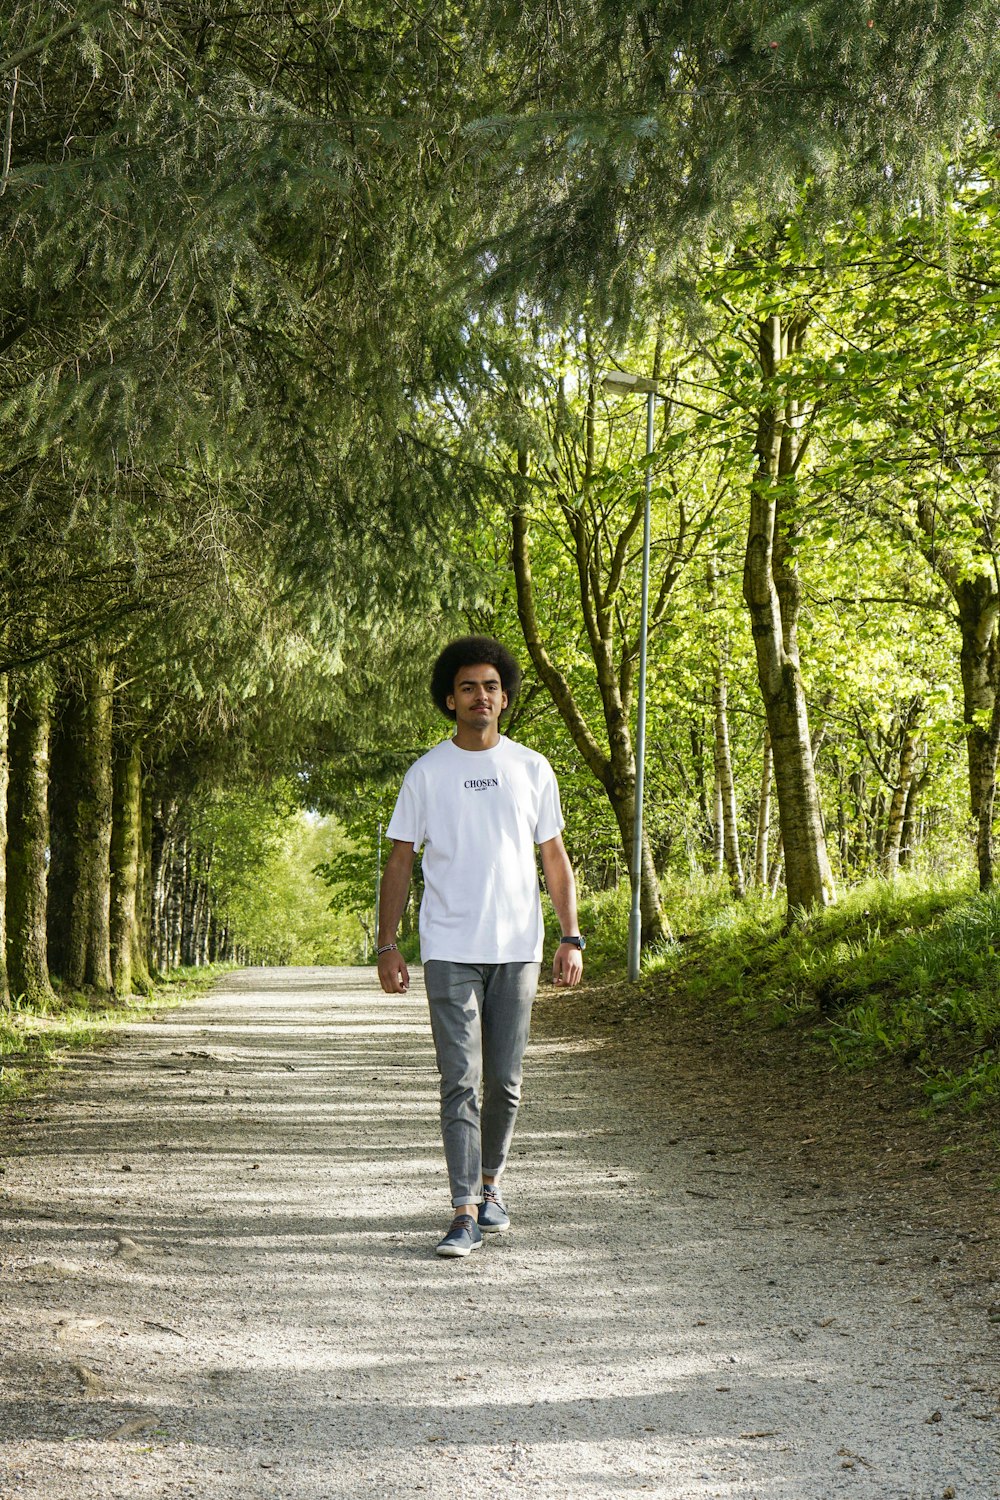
[480, 1018]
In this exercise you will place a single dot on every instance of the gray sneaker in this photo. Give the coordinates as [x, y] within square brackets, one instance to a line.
[493, 1218]
[462, 1238]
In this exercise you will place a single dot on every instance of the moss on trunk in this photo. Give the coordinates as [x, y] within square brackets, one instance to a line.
[28, 837]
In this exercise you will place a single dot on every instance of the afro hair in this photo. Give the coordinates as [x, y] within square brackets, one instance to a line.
[472, 651]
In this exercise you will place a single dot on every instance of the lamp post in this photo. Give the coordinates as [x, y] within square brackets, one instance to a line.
[622, 383]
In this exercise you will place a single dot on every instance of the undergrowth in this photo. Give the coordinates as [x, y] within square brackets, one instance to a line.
[902, 975]
[35, 1039]
[907, 973]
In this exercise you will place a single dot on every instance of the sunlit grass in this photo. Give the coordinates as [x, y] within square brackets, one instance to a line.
[895, 974]
[906, 973]
[903, 975]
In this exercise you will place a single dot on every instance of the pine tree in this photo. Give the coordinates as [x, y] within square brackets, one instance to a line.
[629, 135]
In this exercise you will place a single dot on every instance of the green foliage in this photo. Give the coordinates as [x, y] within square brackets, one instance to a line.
[261, 437]
[693, 904]
[352, 872]
[214, 458]
[284, 915]
[641, 132]
[974, 1087]
[260, 852]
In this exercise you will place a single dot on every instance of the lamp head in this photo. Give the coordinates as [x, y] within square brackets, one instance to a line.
[621, 383]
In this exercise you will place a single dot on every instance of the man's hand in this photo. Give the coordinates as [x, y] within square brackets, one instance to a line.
[393, 975]
[567, 966]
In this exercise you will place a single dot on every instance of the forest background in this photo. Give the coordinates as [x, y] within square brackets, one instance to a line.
[304, 317]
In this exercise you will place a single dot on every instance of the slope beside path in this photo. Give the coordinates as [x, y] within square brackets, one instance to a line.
[218, 1281]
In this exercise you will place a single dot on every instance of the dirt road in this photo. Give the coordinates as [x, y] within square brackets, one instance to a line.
[218, 1281]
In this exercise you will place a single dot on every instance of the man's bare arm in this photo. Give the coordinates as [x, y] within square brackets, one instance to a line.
[393, 974]
[567, 966]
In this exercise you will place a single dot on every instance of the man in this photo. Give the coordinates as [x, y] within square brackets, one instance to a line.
[478, 803]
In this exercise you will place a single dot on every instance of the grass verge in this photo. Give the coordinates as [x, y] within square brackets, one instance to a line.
[901, 977]
[904, 975]
[34, 1041]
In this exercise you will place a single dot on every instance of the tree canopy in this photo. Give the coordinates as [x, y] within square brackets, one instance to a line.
[303, 320]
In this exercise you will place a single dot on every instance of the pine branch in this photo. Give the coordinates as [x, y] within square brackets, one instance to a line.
[35, 49]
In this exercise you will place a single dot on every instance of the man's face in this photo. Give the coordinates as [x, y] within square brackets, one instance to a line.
[478, 698]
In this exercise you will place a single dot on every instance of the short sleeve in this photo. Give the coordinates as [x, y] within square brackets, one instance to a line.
[550, 820]
[407, 821]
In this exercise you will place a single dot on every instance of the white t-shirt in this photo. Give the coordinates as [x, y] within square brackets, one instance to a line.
[478, 815]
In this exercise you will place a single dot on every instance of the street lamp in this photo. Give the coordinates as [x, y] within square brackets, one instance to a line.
[623, 384]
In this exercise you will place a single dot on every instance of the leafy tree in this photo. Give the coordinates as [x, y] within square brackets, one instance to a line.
[596, 514]
[898, 405]
[923, 343]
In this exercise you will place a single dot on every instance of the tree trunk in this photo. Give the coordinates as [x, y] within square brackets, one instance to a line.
[978, 613]
[4, 778]
[842, 836]
[28, 836]
[726, 785]
[876, 822]
[203, 909]
[727, 832]
[978, 603]
[911, 831]
[893, 841]
[205, 914]
[200, 925]
[63, 876]
[94, 823]
[615, 770]
[126, 853]
[718, 832]
[80, 873]
[177, 903]
[984, 828]
[159, 864]
[142, 932]
[188, 908]
[858, 787]
[772, 592]
[760, 857]
[650, 910]
[698, 761]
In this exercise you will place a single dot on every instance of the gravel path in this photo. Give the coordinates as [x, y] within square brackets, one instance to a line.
[218, 1281]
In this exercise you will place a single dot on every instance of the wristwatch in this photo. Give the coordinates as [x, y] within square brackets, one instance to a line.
[573, 942]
